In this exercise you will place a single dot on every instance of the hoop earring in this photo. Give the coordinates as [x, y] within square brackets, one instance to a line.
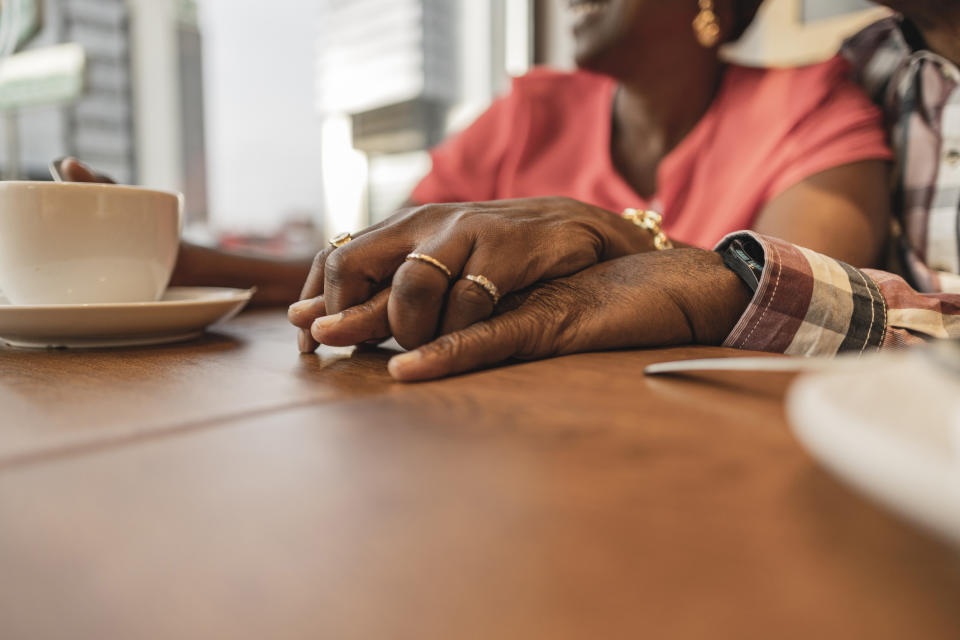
[706, 26]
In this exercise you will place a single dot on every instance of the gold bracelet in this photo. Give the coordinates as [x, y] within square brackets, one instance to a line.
[650, 221]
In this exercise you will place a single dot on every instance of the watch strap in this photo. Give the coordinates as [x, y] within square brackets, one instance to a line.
[745, 258]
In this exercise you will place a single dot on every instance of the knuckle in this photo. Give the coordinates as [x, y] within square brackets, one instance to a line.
[447, 347]
[442, 347]
[460, 217]
[413, 289]
[429, 211]
[551, 308]
[320, 259]
[454, 214]
[337, 266]
[373, 306]
[467, 295]
[558, 311]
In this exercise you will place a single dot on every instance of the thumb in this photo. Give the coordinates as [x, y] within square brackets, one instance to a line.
[480, 344]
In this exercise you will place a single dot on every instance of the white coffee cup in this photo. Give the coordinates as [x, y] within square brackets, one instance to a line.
[80, 243]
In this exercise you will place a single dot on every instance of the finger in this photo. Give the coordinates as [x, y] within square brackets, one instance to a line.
[358, 269]
[302, 314]
[73, 170]
[305, 341]
[481, 344]
[363, 323]
[469, 301]
[420, 288]
[313, 285]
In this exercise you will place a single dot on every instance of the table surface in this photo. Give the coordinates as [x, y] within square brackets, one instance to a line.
[231, 488]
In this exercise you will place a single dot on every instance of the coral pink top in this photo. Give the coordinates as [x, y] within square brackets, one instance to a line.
[766, 130]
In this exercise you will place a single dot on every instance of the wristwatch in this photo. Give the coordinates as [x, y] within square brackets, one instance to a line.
[744, 256]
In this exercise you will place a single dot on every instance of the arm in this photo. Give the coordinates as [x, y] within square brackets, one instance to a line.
[277, 281]
[842, 212]
[805, 304]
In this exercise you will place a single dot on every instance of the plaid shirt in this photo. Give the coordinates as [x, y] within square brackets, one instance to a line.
[809, 304]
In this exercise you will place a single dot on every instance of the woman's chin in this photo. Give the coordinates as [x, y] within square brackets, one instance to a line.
[592, 58]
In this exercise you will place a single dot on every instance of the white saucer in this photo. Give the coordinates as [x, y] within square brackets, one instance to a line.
[181, 314]
[891, 429]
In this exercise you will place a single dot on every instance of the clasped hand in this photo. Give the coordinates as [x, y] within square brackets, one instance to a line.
[579, 278]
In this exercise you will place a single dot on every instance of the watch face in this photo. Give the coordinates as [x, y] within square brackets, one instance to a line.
[737, 258]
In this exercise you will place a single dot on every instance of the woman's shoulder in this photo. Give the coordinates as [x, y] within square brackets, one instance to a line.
[797, 90]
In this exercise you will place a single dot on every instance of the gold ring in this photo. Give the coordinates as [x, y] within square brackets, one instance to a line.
[340, 239]
[430, 260]
[486, 285]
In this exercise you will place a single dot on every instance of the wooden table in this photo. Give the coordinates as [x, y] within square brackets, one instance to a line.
[230, 488]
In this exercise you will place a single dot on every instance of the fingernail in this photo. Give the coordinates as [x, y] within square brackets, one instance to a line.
[297, 307]
[403, 360]
[308, 305]
[305, 342]
[327, 321]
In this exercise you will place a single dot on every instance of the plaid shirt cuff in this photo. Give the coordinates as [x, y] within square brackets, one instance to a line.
[808, 304]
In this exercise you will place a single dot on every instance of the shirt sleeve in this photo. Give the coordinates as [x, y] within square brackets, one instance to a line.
[807, 304]
[466, 166]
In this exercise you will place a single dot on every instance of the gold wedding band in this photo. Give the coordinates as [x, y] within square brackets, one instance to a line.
[430, 260]
[486, 285]
[340, 239]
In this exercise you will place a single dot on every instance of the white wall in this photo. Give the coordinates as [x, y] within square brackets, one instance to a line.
[559, 41]
[263, 135]
[156, 93]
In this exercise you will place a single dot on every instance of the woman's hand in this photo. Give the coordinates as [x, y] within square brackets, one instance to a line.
[654, 299]
[512, 243]
[72, 170]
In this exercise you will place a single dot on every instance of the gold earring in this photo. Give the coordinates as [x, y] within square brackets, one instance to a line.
[706, 26]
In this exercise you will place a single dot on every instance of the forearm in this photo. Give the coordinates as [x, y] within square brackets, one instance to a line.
[277, 281]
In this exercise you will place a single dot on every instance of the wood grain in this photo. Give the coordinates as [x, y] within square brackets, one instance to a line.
[571, 498]
[62, 400]
[59, 401]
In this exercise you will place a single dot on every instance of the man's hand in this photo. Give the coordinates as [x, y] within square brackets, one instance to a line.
[513, 243]
[672, 297]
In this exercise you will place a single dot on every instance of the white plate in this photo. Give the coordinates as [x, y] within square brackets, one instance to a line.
[891, 429]
[181, 314]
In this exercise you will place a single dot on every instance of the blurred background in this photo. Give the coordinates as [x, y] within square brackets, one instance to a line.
[284, 122]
